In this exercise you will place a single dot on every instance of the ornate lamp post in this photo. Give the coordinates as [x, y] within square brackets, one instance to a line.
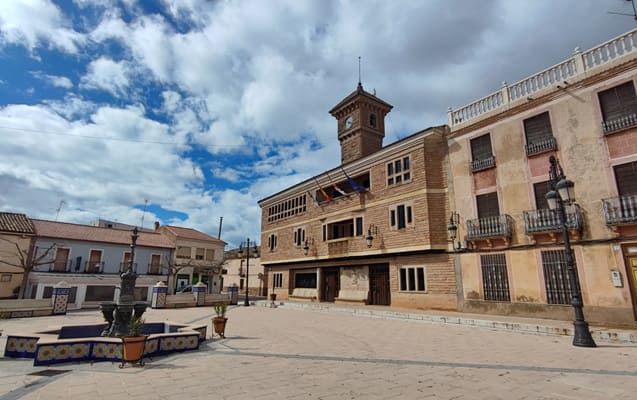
[562, 192]
[245, 247]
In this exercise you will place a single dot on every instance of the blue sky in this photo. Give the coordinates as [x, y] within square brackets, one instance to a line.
[192, 110]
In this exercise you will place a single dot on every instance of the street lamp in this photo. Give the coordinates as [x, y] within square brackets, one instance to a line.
[562, 192]
[255, 253]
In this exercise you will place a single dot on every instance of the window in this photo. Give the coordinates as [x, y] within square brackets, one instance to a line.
[488, 205]
[412, 279]
[277, 279]
[343, 229]
[305, 280]
[287, 208]
[481, 153]
[619, 107]
[210, 254]
[626, 178]
[272, 241]
[539, 135]
[372, 120]
[299, 236]
[200, 253]
[398, 171]
[183, 252]
[556, 280]
[540, 190]
[495, 281]
[400, 216]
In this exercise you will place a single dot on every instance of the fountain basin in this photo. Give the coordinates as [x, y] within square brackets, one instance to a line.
[73, 343]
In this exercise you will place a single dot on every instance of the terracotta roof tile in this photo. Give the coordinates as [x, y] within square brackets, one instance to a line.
[18, 223]
[189, 233]
[88, 233]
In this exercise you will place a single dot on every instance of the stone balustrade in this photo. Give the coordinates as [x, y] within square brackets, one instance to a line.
[576, 68]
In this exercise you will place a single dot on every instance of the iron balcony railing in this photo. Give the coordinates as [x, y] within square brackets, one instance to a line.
[124, 266]
[490, 227]
[94, 267]
[154, 269]
[546, 220]
[620, 210]
[485, 163]
[620, 123]
[546, 144]
[61, 266]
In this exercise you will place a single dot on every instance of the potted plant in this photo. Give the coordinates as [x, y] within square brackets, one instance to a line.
[134, 343]
[219, 322]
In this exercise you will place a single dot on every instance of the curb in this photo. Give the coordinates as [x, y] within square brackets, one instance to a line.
[599, 334]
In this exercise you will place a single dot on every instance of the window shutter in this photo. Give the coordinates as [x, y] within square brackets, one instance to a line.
[626, 178]
[618, 102]
[538, 128]
[540, 190]
[481, 147]
[488, 205]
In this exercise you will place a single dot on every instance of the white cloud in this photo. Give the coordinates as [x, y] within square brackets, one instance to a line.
[32, 22]
[54, 80]
[108, 75]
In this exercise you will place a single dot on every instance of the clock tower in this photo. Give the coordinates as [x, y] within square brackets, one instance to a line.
[361, 124]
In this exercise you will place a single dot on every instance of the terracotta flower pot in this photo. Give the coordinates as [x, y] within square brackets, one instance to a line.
[133, 349]
[219, 324]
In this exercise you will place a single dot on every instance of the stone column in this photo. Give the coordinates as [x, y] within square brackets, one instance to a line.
[60, 298]
[199, 291]
[158, 299]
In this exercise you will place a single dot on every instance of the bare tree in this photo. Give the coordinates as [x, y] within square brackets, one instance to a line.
[26, 261]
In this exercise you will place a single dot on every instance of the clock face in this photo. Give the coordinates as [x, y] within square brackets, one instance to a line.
[348, 122]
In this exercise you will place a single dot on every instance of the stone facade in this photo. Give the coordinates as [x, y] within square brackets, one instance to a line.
[322, 252]
[590, 148]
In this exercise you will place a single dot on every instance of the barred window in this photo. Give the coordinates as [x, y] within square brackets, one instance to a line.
[400, 216]
[277, 279]
[495, 280]
[556, 279]
[288, 208]
[412, 279]
[272, 241]
[299, 236]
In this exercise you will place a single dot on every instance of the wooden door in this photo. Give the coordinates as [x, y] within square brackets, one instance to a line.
[331, 284]
[155, 260]
[94, 262]
[125, 261]
[631, 266]
[61, 260]
[379, 285]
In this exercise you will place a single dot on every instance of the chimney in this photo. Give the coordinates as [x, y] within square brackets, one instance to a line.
[156, 226]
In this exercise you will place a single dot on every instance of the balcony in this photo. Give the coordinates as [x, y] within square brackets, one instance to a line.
[541, 146]
[124, 266]
[479, 165]
[154, 269]
[93, 267]
[620, 210]
[546, 221]
[499, 226]
[338, 247]
[617, 124]
[61, 266]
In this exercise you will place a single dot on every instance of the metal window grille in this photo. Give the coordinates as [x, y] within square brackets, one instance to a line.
[558, 284]
[495, 280]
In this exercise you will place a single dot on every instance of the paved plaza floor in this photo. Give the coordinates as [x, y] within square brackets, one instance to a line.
[296, 353]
